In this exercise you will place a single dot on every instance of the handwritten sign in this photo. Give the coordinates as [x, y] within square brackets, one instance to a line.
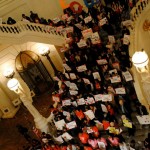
[102, 61]
[127, 76]
[145, 119]
[89, 101]
[56, 20]
[69, 29]
[98, 97]
[87, 81]
[96, 76]
[120, 90]
[81, 68]
[72, 92]
[82, 43]
[106, 97]
[73, 86]
[95, 39]
[66, 136]
[59, 139]
[73, 76]
[79, 26]
[115, 79]
[90, 114]
[60, 124]
[66, 102]
[81, 101]
[88, 19]
[87, 33]
[71, 125]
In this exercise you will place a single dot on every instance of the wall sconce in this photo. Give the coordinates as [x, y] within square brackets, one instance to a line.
[45, 52]
[13, 84]
[9, 73]
[140, 61]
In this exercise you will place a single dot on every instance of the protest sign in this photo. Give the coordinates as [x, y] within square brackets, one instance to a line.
[71, 125]
[81, 68]
[120, 90]
[102, 61]
[127, 76]
[90, 114]
[87, 33]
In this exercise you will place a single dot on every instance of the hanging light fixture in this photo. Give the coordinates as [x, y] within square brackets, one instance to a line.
[140, 61]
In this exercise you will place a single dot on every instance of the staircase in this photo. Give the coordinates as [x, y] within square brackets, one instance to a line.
[22, 32]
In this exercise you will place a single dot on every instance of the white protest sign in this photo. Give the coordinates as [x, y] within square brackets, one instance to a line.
[87, 19]
[98, 97]
[71, 125]
[95, 39]
[72, 92]
[69, 29]
[96, 76]
[103, 21]
[127, 76]
[67, 75]
[60, 124]
[102, 61]
[66, 136]
[145, 119]
[87, 81]
[81, 68]
[56, 20]
[81, 101]
[73, 76]
[66, 67]
[120, 90]
[111, 39]
[73, 86]
[107, 97]
[67, 83]
[90, 114]
[74, 103]
[66, 102]
[79, 26]
[81, 43]
[115, 79]
[113, 71]
[126, 39]
[87, 33]
[101, 145]
[89, 101]
[59, 139]
[104, 109]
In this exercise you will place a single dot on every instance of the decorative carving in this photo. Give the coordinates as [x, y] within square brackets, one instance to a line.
[146, 25]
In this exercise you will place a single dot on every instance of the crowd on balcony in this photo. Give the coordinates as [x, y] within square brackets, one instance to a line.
[96, 95]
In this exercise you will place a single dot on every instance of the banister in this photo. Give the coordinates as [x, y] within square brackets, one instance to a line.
[22, 29]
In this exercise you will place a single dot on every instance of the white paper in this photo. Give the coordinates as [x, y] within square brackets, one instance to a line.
[66, 67]
[95, 39]
[66, 113]
[96, 76]
[89, 130]
[72, 92]
[67, 83]
[81, 68]
[79, 26]
[101, 145]
[98, 97]
[81, 43]
[113, 71]
[102, 61]
[87, 33]
[71, 125]
[87, 81]
[81, 101]
[120, 90]
[60, 124]
[87, 19]
[145, 119]
[59, 139]
[127, 76]
[73, 86]
[74, 103]
[90, 114]
[115, 79]
[66, 102]
[89, 101]
[103, 21]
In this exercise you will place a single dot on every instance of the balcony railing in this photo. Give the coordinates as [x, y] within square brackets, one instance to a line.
[23, 32]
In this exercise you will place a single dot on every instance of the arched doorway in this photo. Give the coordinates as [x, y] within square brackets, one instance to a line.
[33, 72]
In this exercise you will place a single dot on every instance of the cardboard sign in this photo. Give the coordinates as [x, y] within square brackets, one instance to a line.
[98, 97]
[95, 39]
[79, 26]
[73, 76]
[60, 124]
[82, 43]
[73, 86]
[87, 33]
[96, 76]
[89, 101]
[103, 21]
[102, 61]
[88, 19]
[111, 39]
[120, 90]
[66, 136]
[90, 114]
[72, 92]
[66, 67]
[115, 79]
[66, 102]
[127, 76]
[71, 125]
[126, 39]
[81, 68]
[81, 101]
[145, 119]
[87, 81]
[65, 16]
[55, 98]
[106, 97]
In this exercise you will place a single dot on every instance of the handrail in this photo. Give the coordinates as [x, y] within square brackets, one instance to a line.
[21, 29]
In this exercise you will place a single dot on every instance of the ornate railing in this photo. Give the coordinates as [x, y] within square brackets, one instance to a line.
[24, 32]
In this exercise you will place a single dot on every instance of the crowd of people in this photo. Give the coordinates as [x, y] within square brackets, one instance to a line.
[95, 92]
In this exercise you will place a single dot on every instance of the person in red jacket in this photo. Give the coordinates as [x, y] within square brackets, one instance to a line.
[83, 137]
